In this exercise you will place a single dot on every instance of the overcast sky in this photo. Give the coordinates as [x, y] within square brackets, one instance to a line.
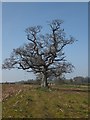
[17, 17]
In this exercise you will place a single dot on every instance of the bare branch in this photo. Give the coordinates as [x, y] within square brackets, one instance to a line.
[44, 53]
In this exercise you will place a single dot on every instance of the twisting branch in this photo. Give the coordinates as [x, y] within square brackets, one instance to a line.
[44, 53]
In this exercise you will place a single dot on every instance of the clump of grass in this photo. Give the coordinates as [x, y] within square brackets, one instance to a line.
[45, 89]
[30, 98]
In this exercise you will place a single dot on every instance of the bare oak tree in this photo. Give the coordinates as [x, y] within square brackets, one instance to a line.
[43, 53]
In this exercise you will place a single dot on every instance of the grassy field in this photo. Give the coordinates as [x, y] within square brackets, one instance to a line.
[31, 101]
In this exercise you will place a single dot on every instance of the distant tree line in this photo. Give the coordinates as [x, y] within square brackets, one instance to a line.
[79, 80]
[62, 80]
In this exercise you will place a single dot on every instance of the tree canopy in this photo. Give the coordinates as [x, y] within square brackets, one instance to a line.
[43, 54]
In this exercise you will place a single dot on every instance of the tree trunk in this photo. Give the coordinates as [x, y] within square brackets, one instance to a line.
[44, 81]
